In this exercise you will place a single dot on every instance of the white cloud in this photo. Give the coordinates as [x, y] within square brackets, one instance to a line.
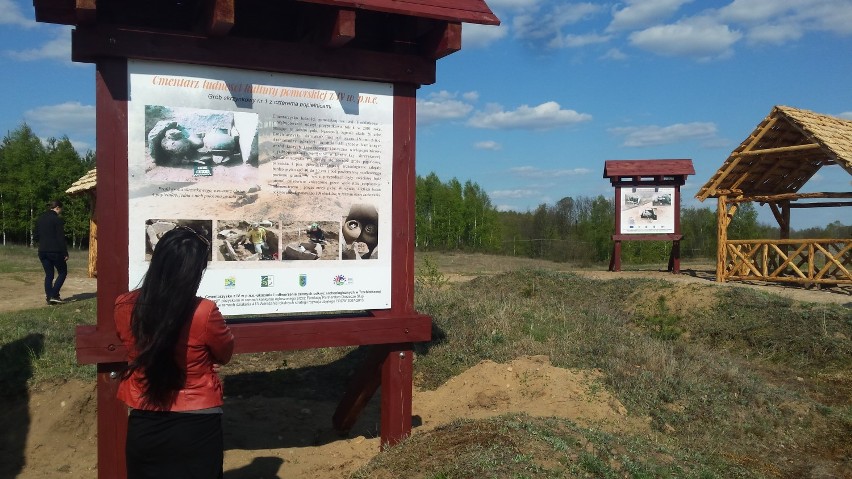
[441, 106]
[776, 22]
[10, 14]
[534, 172]
[828, 15]
[614, 54]
[846, 115]
[698, 37]
[754, 11]
[546, 26]
[69, 118]
[478, 36]
[513, 4]
[774, 34]
[574, 41]
[653, 135]
[488, 145]
[59, 48]
[542, 117]
[643, 13]
[512, 194]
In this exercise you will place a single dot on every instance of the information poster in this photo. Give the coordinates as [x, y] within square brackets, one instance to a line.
[647, 210]
[288, 177]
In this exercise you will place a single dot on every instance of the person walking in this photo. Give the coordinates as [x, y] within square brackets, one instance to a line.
[52, 250]
[176, 343]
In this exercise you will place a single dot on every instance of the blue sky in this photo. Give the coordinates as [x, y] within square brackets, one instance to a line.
[530, 110]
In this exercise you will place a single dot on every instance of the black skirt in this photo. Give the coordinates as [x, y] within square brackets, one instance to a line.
[174, 445]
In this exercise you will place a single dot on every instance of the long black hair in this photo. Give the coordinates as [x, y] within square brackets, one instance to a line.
[165, 304]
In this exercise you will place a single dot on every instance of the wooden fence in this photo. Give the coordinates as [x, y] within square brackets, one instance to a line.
[805, 261]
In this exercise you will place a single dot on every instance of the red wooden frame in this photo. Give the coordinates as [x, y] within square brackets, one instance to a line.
[394, 330]
[387, 41]
[647, 174]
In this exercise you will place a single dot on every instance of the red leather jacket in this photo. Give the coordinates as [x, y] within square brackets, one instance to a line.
[204, 341]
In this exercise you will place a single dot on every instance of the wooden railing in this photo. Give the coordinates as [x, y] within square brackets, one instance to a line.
[806, 261]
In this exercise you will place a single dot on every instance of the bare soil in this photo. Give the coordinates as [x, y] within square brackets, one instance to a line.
[271, 436]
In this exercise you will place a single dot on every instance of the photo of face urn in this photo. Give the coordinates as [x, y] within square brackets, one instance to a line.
[360, 232]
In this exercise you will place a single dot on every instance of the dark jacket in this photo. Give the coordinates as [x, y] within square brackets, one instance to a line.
[50, 233]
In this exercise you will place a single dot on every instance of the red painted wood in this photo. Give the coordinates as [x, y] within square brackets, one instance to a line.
[396, 395]
[468, 11]
[364, 384]
[111, 210]
[648, 237]
[615, 168]
[112, 425]
[404, 180]
[98, 346]
[90, 44]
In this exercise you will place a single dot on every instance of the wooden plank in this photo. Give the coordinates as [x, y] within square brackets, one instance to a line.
[91, 44]
[220, 18]
[831, 259]
[111, 425]
[86, 12]
[825, 204]
[111, 214]
[442, 41]
[397, 390]
[791, 196]
[342, 29]
[98, 345]
[363, 385]
[648, 237]
[780, 149]
[466, 11]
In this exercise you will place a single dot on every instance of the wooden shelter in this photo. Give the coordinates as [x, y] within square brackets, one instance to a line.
[390, 41]
[87, 185]
[786, 150]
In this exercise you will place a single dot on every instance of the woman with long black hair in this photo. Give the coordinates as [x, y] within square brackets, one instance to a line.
[175, 342]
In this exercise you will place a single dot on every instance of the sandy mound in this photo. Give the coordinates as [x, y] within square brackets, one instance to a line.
[283, 437]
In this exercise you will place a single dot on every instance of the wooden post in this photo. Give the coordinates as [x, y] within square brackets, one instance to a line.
[111, 214]
[396, 395]
[615, 261]
[722, 238]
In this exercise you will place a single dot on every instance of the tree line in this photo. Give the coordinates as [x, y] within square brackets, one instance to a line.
[34, 172]
[448, 215]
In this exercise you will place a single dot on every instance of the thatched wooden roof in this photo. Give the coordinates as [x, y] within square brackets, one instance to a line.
[85, 184]
[785, 151]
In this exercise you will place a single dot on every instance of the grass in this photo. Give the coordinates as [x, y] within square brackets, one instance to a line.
[752, 385]
[37, 345]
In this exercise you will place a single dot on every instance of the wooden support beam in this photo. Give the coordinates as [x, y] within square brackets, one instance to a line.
[221, 18]
[364, 384]
[825, 204]
[789, 196]
[86, 12]
[722, 237]
[97, 43]
[780, 149]
[721, 175]
[443, 40]
[342, 28]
